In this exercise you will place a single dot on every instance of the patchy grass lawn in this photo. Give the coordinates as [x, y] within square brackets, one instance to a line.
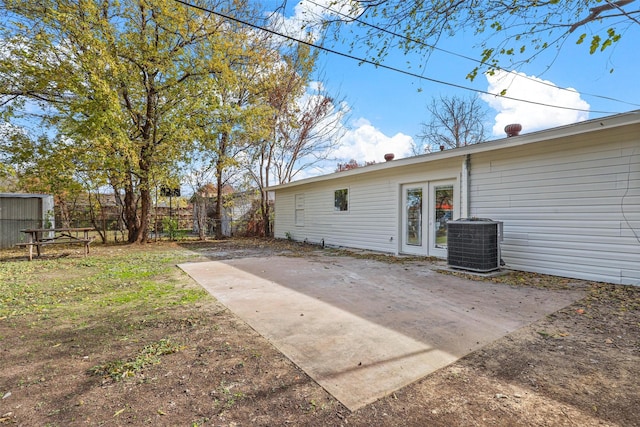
[123, 337]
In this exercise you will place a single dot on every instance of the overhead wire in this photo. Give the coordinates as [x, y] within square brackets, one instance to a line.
[380, 65]
[459, 55]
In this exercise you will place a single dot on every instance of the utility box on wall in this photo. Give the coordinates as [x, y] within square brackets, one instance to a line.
[474, 244]
[22, 211]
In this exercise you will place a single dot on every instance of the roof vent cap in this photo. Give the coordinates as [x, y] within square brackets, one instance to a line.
[513, 129]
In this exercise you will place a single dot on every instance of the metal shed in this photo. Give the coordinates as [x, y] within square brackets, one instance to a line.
[20, 211]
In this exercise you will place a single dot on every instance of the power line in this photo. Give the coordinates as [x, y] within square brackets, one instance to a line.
[459, 55]
[380, 65]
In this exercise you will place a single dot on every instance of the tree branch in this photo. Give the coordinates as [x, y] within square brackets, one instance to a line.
[596, 11]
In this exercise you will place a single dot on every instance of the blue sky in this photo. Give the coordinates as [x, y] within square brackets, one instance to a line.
[387, 108]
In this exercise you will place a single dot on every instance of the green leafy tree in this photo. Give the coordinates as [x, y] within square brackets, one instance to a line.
[119, 79]
[237, 116]
[510, 31]
[56, 166]
[30, 159]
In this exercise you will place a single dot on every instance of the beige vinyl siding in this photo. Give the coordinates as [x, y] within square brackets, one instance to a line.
[372, 221]
[368, 223]
[569, 206]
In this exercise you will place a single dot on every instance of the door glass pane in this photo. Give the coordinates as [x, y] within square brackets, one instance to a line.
[444, 213]
[414, 217]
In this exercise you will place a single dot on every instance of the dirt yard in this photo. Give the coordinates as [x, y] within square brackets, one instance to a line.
[167, 355]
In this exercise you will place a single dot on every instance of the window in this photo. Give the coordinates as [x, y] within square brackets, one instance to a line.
[341, 200]
[413, 214]
[299, 210]
[443, 213]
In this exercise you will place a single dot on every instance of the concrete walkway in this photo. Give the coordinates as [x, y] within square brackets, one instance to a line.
[363, 329]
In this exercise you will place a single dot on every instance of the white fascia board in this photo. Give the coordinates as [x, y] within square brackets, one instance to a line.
[593, 125]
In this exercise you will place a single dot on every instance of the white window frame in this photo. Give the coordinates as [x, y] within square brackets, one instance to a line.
[335, 206]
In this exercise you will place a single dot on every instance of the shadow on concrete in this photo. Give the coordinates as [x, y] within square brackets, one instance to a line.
[364, 328]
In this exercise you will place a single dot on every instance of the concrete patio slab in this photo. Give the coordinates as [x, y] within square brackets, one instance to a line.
[363, 329]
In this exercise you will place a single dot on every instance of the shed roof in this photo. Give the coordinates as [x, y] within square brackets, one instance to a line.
[24, 195]
[588, 126]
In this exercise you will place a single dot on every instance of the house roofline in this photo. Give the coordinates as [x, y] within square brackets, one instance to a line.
[623, 119]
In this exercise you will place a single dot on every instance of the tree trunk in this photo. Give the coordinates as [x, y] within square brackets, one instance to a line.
[200, 206]
[63, 209]
[145, 212]
[137, 225]
[98, 223]
[222, 152]
[218, 214]
[266, 213]
[140, 235]
[130, 213]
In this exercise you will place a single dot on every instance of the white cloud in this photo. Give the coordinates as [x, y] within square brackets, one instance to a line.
[307, 18]
[532, 116]
[365, 143]
[316, 86]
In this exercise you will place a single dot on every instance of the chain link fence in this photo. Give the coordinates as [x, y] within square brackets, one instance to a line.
[240, 218]
[177, 225]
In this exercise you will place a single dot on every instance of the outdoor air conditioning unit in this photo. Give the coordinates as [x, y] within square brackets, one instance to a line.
[474, 244]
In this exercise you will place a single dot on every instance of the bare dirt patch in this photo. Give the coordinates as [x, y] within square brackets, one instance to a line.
[578, 366]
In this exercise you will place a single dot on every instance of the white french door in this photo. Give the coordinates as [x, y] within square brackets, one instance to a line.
[426, 209]
[413, 239]
[441, 211]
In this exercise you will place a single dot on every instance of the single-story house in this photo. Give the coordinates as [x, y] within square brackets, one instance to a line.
[568, 199]
[20, 211]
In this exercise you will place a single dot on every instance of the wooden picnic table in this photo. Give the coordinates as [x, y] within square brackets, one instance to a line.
[39, 237]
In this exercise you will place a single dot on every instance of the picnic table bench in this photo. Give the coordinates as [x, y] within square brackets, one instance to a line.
[38, 237]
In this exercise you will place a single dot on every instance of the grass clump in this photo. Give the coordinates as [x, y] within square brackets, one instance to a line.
[118, 370]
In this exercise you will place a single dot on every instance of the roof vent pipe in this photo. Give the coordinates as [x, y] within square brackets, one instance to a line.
[513, 129]
[389, 156]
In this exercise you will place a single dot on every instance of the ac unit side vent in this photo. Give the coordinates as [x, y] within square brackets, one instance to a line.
[474, 244]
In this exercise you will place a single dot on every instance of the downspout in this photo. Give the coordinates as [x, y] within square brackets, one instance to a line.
[465, 187]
